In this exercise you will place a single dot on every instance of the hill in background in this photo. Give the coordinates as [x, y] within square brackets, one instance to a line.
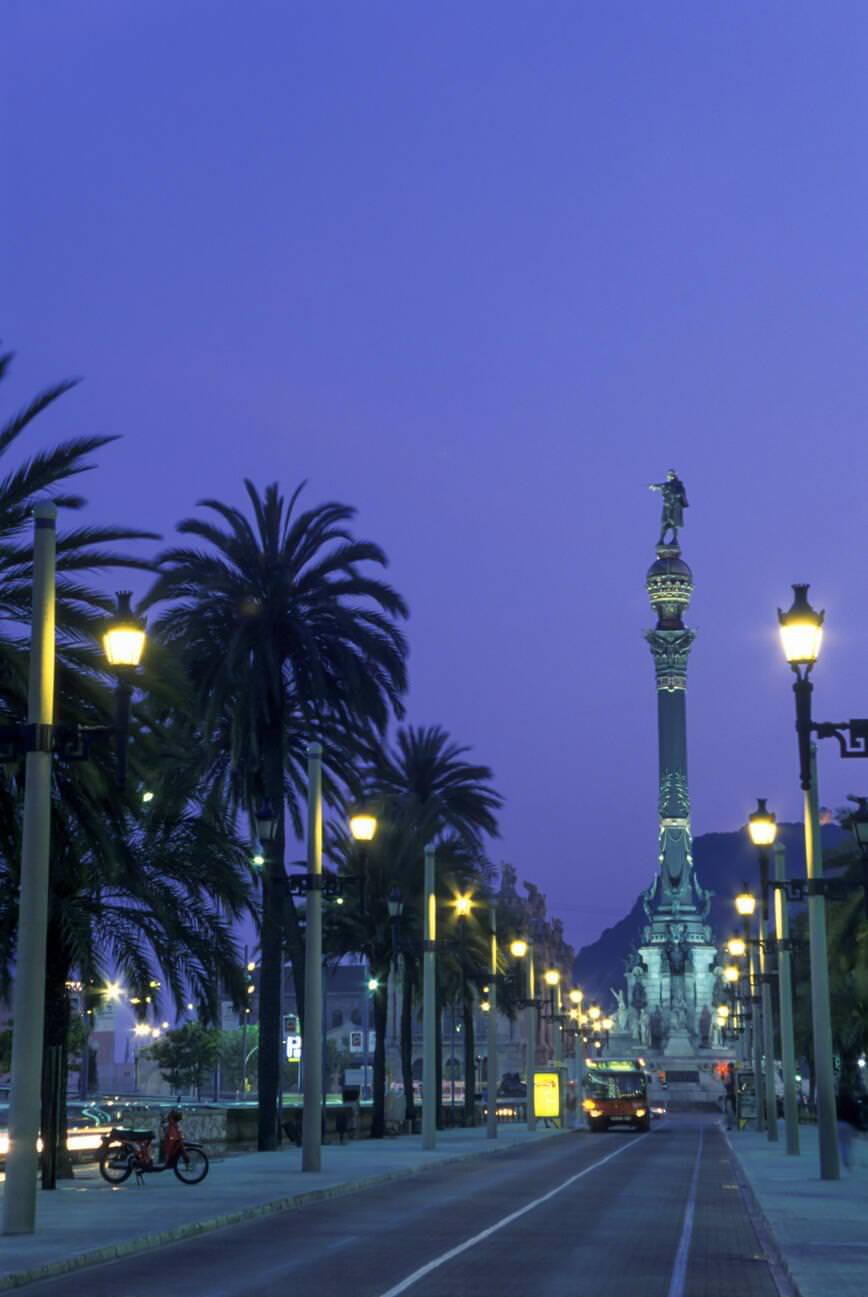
[723, 862]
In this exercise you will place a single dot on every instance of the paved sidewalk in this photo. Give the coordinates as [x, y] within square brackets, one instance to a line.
[86, 1221]
[820, 1227]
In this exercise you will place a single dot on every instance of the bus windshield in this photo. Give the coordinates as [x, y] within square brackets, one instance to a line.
[616, 1085]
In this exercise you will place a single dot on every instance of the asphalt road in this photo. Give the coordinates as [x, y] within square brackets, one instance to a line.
[614, 1215]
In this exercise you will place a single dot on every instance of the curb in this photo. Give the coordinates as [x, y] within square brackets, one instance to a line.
[782, 1275]
[128, 1247]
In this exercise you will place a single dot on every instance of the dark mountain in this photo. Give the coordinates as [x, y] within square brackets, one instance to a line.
[723, 862]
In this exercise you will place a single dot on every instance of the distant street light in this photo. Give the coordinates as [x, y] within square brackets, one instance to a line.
[763, 829]
[745, 904]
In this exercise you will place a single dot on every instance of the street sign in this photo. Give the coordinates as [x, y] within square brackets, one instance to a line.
[293, 1049]
[357, 1042]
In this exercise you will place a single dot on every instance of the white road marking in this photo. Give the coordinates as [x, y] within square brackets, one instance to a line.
[506, 1220]
[679, 1270]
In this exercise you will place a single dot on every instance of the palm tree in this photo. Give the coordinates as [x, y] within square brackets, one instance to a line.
[427, 791]
[81, 692]
[286, 637]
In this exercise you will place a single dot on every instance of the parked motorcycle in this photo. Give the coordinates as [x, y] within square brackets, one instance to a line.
[124, 1151]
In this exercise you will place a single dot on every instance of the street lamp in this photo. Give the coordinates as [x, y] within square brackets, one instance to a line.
[763, 829]
[745, 904]
[463, 906]
[37, 740]
[429, 1003]
[736, 947]
[124, 643]
[267, 822]
[576, 998]
[363, 826]
[801, 636]
[520, 948]
[762, 825]
[731, 974]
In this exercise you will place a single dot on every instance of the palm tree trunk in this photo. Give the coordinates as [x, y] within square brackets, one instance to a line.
[381, 1013]
[469, 1058]
[407, 1043]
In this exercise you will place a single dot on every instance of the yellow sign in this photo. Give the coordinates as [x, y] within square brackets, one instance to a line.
[546, 1094]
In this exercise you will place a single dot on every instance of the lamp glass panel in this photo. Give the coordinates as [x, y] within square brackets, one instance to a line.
[763, 831]
[802, 641]
[363, 827]
[124, 645]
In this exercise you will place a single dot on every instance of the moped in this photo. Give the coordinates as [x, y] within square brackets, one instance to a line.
[124, 1151]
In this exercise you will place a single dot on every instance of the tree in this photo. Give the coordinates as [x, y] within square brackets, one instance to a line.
[185, 1055]
[427, 784]
[309, 648]
[424, 791]
[81, 694]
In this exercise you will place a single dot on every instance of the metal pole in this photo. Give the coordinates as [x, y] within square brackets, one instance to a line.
[244, 1025]
[756, 1024]
[491, 1116]
[28, 1011]
[311, 1125]
[765, 963]
[531, 1037]
[580, 1074]
[785, 993]
[365, 1027]
[557, 1005]
[827, 1120]
[429, 1008]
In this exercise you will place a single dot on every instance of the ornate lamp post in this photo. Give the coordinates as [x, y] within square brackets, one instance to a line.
[745, 904]
[576, 998]
[522, 949]
[763, 829]
[785, 994]
[802, 635]
[429, 1005]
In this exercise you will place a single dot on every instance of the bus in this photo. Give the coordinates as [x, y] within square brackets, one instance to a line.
[616, 1093]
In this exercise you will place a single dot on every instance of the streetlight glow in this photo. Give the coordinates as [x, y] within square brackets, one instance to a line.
[518, 948]
[737, 947]
[576, 996]
[551, 977]
[463, 905]
[745, 904]
[363, 826]
[731, 973]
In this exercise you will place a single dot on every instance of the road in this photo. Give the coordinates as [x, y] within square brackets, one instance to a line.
[656, 1215]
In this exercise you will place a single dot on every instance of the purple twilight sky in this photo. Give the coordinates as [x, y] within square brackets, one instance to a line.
[483, 270]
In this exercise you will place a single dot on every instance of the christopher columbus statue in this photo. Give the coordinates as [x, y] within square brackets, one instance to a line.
[674, 504]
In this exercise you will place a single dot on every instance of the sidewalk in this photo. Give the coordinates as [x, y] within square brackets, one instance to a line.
[820, 1227]
[87, 1221]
